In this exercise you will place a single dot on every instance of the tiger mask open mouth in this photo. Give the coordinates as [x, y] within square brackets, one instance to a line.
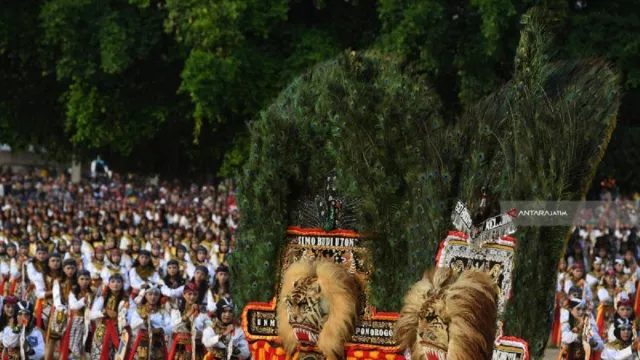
[449, 316]
[318, 306]
[307, 310]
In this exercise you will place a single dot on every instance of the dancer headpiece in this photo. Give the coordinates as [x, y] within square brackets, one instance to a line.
[190, 287]
[25, 307]
[224, 304]
[577, 302]
[622, 324]
[624, 302]
[116, 276]
[10, 300]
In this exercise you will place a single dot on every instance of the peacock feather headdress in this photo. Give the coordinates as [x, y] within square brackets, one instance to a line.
[381, 128]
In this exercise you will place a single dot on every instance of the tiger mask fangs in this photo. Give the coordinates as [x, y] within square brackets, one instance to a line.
[318, 306]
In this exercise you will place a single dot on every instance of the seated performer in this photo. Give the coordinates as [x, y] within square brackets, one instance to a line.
[624, 280]
[9, 317]
[33, 345]
[224, 334]
[624, 347]
[565, 313]
[107, 310]
[114, 266]
[576, 277]
[174, 282]
[201, 260]
[595, 276]
[187, 323]
[149, 315]
[80, 301]
[142, 272]
[573, 329]
[221, 284]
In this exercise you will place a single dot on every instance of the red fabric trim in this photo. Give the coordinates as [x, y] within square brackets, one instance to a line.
[440, 248]
[636, 305]
[142, 335]
[294, 230]
[600, 321]
[522, 343]
[38, 308]
[556, 334]
[12, 287]
[66, 339]
[381, 315]
[134, 348]
[174, 344]
[110, 337]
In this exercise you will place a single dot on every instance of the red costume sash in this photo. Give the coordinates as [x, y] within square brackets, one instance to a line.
[110, 338]
[144, 335]
[2, 282]
[66, 339]
[603, 311]
[38, 312]
[180, 339]
[556, 333]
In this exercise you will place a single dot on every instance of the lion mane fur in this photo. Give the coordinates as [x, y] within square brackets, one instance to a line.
[341, 291]
[469, 307]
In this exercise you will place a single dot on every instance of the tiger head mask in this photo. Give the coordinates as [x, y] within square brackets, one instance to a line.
[449, 316]
[318, 306]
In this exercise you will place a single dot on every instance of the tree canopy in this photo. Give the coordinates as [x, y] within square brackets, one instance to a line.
[169, 86]
[159, 86]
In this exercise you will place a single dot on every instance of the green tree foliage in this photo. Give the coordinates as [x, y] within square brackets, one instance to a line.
[169, 85]
[28, 94]
[120, 73]
[383, 129]
[160, 86]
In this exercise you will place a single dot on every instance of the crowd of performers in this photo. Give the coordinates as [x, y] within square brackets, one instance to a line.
[596, 297]
[100, 277]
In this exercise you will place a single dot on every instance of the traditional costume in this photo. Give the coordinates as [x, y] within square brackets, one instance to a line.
[223, 335]
[595, 276]
[57, 326]
[9, 317]
[221, 286]
[187, 323]
[77, 332]
[607, 293]
[114, 266]
[110, 312]
[623, 347]
[142, 272]
[624, 310]
[201, 260]
[150, 322]
[23, 341]
[576, 277]
[574, 329]
[44, 290]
